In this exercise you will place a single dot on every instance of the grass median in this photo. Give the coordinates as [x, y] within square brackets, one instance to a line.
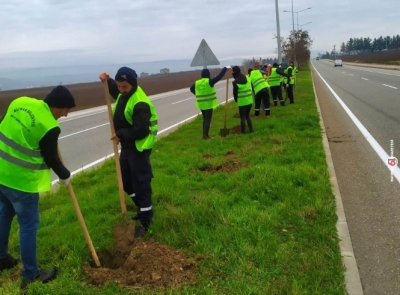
[257, 207]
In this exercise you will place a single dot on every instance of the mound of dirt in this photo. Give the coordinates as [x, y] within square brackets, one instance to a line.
[138, 263]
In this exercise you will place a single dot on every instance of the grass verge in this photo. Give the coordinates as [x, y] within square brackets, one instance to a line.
[258, 207]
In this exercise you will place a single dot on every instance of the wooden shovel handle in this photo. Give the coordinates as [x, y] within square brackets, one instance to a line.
[116, 152]
[81, 221]
[226, 101]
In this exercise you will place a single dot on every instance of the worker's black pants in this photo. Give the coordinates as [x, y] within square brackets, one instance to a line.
[276, 92]
[244, 112]
[207, 116]
[290, 93]
[262, 95]
[136, 178]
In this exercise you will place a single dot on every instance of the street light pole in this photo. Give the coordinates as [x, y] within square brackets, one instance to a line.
[293, 16]
[301, 26]
[278, 33]
[295, 33]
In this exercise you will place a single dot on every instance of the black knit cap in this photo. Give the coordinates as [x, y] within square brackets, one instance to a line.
[61, 98]
[126, 74]
[236, 70]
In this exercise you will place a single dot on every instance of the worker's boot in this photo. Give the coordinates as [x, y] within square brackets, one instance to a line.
[8, 262]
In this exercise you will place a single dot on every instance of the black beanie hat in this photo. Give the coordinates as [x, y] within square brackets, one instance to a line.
[61, 98]
[275, 65]
[126, 74]
[205, 73]
[236, 70]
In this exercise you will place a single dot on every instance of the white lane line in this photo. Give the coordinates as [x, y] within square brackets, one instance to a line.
[182, 100]
[364, 78]
[84, 130]
[111, 155]
[389, 86]
[351, 74]
[371, 140]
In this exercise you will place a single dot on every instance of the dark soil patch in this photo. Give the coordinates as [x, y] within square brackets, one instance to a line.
[138, 263]
[236, 129]
[228, 166]
[229, 154]
[207, 156]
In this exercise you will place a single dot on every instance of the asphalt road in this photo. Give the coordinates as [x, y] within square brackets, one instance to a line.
[370, 197]
[85, 138]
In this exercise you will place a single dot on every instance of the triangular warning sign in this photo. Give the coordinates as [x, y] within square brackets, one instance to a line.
[204, 56]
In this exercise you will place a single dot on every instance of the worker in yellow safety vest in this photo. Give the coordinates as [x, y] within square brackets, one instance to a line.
[206, 97]
[29, 133]
[243, 95]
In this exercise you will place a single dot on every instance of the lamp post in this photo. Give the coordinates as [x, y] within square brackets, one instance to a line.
[297, 12]
[278, 33]
[295, 34]
[301, 26]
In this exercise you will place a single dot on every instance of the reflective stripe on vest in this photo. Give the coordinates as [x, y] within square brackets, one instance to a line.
[274, 79]
[258, 81]
[139, 96]
[22, 163]
[245, 94]
[206, 96]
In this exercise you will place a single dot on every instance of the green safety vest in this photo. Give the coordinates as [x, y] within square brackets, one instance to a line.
[206, 96]
[293, 75]
[22, 165]
[139, 96]
[245, 94]
[258, 81]
[275, 78]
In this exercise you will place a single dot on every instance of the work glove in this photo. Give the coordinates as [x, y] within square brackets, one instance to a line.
[65, 181]
[228, 67]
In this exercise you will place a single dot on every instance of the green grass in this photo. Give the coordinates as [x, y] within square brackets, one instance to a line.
[266, 228]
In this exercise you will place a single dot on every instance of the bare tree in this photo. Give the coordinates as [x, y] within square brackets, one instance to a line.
[297, 47]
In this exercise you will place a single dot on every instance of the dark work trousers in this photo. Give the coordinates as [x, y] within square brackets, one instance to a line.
[136, 178]
[207, 116]
[290, 93]
[276, 92]
[244, 112]
[262, 95]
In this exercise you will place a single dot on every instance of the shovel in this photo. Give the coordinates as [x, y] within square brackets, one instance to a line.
[125, 228]
[82, 221]
[116, 152]
[225, 131]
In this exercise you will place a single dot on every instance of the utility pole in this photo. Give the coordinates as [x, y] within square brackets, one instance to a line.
[334, 51]
[278, 33]
[295, 38]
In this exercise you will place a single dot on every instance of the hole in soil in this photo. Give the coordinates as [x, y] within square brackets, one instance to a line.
[138, 263]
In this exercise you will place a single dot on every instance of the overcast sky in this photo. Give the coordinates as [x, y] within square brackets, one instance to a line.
[56, 32]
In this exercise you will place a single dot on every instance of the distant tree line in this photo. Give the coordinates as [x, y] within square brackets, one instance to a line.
[357, 45]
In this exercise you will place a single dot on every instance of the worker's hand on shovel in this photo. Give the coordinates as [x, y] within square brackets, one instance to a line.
[104, 76]
[116, 138]
[65, 181]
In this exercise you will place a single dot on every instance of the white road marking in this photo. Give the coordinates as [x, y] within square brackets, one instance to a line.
[371, 140]
[389, 86]
[84, 130]
[182, 100]
[351, 74]
[364, 78]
